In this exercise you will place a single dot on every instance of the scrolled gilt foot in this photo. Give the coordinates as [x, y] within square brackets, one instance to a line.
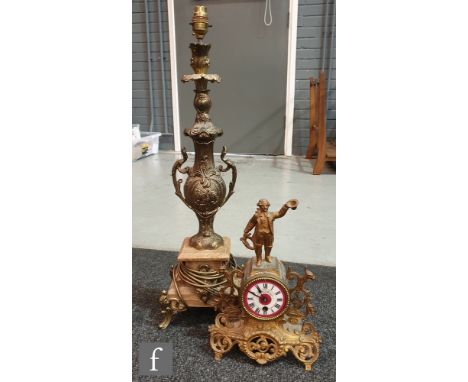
[169, 307]
[307, 353]
[218, 356]
[166, 319]
[220, 344]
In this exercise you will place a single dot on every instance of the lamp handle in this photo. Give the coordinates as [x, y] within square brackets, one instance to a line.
[229, 166]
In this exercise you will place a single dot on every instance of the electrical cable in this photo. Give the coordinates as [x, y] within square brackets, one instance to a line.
[267, 7]
[208, 280]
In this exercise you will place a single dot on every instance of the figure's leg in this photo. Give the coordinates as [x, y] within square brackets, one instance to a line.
[258, 253]
[268, 247]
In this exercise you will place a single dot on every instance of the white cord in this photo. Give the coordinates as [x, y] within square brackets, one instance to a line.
[267, 6]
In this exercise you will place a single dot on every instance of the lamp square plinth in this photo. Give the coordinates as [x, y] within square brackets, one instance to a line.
[181, 294]
[219, 255]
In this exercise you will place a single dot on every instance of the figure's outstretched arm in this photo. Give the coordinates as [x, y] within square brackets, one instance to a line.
[282, 211]
[289, 204]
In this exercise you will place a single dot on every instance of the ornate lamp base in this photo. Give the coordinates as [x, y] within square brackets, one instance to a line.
[265, 341]
[196, 278]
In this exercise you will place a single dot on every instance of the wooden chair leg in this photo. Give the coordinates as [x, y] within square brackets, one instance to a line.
[313, 94]
[321, 130]
[319, 162]
[312, 144]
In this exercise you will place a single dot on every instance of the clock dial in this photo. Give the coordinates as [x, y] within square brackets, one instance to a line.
[265, 299]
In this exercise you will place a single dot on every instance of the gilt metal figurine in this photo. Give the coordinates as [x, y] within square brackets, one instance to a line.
[262, 221]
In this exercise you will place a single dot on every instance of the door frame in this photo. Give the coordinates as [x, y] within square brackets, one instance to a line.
[290, 79]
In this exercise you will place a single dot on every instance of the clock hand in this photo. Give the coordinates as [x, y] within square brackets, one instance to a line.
[256, 295]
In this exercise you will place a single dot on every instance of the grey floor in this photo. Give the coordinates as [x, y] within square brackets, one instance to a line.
[193, 358]
[306, 235]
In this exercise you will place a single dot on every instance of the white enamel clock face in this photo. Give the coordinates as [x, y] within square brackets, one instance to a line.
[265, 299]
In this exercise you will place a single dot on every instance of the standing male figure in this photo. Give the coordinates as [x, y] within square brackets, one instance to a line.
[263, 222]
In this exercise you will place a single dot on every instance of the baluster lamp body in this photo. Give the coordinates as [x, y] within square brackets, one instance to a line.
[204, 190]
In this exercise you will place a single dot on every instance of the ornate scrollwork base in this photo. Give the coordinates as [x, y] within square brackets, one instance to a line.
[262, 347]
[264, 341]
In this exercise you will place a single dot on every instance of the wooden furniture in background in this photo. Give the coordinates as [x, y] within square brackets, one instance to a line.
[318, 146]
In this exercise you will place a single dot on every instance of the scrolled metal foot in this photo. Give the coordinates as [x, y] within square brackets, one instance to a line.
[218, 356]
[166, 320]
[220, 344]
[306, 352]
[169, 307]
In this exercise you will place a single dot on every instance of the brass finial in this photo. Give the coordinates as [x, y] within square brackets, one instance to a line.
[200, 22]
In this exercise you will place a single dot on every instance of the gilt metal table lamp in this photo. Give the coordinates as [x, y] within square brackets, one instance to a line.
[196, 276]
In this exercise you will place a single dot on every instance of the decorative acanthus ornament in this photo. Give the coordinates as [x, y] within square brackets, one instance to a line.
[204, 190]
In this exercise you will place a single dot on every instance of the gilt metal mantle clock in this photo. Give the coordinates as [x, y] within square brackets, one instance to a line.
[259, 311]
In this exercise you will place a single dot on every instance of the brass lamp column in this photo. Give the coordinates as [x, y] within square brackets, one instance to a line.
[198, 275]
[204, 189]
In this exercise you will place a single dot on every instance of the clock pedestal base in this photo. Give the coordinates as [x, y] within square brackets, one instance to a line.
[194, 278]
[265, 341]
